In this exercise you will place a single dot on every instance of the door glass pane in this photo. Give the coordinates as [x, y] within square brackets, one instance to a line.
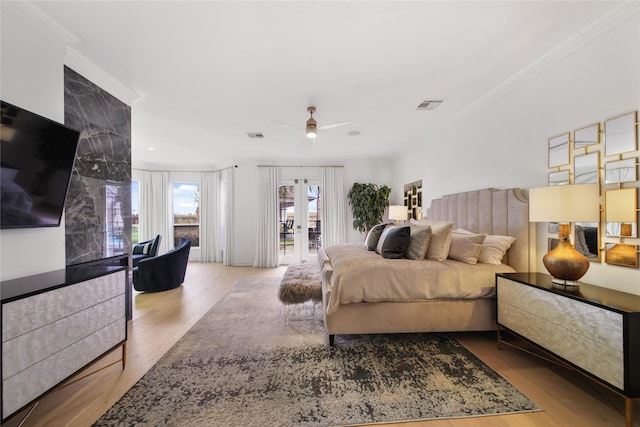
[313, 219]
[286, 198]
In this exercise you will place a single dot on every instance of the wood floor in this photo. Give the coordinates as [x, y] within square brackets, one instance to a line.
[160, 319]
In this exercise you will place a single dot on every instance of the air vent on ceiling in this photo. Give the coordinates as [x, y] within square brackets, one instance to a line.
[255, 135]
[429, 104]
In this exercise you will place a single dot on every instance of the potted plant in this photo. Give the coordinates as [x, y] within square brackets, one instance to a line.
[368, 202]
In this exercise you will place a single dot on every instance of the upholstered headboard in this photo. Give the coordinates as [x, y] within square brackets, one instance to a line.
[491, 211]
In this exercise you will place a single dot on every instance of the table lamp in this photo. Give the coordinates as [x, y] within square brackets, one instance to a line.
[398, 213]
[565, 204]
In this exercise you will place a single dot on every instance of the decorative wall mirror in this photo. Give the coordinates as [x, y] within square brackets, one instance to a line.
[620, 171]
[559, 178]
[413, 199]
[585, 169]
[586, 136]
[620, 135]
[587, 241]
[620, 212]
[559, 150]
[621, 254]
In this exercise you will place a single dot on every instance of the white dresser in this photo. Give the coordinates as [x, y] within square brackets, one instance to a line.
[55, 324]
[593, 329]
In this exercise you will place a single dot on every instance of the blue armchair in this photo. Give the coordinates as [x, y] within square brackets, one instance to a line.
[144, 250]
[163, 272]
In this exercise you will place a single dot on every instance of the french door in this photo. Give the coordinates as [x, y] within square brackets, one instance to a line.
[299, 220]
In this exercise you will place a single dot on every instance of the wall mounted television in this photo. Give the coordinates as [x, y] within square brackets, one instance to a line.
[36, 159]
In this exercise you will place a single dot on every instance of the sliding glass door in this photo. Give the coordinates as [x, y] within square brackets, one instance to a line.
[300, 228]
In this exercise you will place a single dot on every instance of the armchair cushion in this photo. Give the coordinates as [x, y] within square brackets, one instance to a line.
[145, 250]
[162, 272]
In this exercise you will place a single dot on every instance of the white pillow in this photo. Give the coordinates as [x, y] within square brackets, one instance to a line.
[440, 237]
[466, 247]
[494, 247]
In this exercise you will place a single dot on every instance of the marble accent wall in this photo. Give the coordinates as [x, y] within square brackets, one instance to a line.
[98, 206]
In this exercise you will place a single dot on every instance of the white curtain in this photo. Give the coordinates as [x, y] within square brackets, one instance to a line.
[155, 208]
[210, 225]
[227, 222]
[334, 214]
[266, 254]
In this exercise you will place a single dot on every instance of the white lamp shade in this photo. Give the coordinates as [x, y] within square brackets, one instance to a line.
[398, 212]
[620, 205]
[565, 203]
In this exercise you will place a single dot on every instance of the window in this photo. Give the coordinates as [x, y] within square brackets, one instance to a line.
[186, 212]
[135, 213]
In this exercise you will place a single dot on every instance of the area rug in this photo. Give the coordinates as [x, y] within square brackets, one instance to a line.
[241, 365]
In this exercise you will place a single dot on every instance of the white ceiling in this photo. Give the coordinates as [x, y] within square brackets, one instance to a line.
[208, 72]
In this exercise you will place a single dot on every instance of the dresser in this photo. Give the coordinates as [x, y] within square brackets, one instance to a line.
[55, 324]
[592, 329]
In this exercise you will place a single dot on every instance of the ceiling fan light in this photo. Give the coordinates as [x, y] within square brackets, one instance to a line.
[311, 130]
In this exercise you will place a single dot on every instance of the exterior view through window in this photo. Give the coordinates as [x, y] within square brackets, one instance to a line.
[186, 212]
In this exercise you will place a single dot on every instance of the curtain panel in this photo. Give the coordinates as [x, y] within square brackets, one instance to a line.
[155, 208]
[210, 227]
[334, 213]
[266, 254]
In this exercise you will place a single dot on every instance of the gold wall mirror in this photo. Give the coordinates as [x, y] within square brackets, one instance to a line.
[620, 212]
[620, 134]
[559, 150]
[620, 171]
[559, 178]
[589, 135]
[585, 169]
[621, 254]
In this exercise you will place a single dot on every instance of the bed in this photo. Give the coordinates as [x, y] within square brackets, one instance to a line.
[458, 297]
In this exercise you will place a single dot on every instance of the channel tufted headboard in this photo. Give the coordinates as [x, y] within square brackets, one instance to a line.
[491, 211]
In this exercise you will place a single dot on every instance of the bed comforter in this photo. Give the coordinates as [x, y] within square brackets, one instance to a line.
[360, 275]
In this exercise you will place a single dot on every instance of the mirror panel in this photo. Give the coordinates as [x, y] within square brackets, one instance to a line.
[587, 241]
[589, 135]
[621, 254]
[559, 150]
[620, 134]
[620, 171]
[585, 169]
[620, 212]
[559, 178]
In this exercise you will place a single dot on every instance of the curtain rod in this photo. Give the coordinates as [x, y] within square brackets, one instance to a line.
[276, 166]
[185, 171]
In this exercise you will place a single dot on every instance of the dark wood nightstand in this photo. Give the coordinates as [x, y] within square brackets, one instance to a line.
[592, 329]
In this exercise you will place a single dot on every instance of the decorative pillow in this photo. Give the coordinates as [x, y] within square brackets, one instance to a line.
[466, 247]
[394, 241]
[440, 238]
[371, 242]
[141, 248]
[418, 242]
[494, 248]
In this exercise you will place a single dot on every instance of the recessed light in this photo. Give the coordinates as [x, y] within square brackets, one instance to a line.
[354, 133]
[150, 148]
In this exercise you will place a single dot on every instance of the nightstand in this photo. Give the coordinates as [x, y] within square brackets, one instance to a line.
[592, 329]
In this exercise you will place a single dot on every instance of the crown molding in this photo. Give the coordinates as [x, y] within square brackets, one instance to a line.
[39, 22]
[90, 71]
[579, 39]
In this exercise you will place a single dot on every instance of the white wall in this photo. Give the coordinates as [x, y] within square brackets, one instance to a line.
[32, 78]
[505, 143]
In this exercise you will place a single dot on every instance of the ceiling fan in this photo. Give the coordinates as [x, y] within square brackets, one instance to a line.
[311, 126]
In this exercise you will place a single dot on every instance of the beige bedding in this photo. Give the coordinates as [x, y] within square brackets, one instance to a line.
[360, 275]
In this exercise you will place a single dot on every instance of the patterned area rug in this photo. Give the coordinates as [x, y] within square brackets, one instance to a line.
[241, 365]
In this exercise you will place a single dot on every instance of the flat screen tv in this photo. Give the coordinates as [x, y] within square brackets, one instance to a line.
[36, 160]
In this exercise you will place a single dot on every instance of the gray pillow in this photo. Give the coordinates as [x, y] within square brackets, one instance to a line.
[371, 242]
[394, 241]
[418, 242]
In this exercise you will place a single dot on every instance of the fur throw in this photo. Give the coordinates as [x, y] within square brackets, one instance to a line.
[301, 283]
